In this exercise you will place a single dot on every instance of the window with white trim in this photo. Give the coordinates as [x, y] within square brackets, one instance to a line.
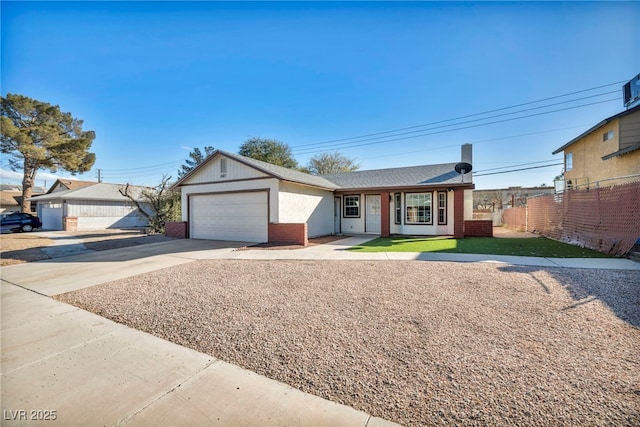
[568, 162]
[398, 207]
[418, 208]
[442, 207]
[607, 136]
[351, 206]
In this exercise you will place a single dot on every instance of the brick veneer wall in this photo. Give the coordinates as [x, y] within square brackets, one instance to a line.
[293, 234]
[458, 214]
[175, 229]
[70, 223]
[478, 228]
[385, 202]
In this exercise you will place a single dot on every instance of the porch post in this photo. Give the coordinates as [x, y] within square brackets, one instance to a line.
[458, 214]
[384, 214]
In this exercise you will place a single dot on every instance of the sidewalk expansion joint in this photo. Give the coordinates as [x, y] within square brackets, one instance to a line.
[25, 288]
[554, 263]
[171, 390]
[59, 352]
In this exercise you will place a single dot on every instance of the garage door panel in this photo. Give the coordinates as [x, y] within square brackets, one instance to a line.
[51, 218]
[232, 216]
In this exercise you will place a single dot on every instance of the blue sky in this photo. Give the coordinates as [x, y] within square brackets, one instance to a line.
[155, 79]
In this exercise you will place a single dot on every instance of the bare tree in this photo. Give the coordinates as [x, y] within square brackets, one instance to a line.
[158, 204]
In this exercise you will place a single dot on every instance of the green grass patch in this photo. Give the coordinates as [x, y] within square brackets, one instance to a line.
[536, 246]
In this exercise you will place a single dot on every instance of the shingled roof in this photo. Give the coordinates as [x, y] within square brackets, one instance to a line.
[412, 176]
[97, 191]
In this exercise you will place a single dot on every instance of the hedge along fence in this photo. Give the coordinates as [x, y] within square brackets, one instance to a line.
[606, 219]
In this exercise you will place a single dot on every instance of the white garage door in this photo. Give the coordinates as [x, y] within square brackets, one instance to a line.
[240, 217]
[51, 218]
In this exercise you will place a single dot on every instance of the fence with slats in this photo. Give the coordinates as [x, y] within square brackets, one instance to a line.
[604, 218]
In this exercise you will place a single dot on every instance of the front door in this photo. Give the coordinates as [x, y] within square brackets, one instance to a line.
[337, 213]
[372, 214]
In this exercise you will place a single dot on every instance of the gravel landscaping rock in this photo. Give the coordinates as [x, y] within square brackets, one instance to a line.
[419, 343]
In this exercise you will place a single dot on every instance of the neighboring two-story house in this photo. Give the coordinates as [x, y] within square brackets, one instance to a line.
[607, 151]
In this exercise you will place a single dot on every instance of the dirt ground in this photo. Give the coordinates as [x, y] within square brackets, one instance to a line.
[18, 248]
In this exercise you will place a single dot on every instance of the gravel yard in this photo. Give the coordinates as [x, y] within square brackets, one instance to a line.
[419, 343]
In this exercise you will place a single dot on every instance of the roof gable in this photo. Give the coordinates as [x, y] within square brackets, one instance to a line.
[598, 126]
[268, 169]
[69, 184]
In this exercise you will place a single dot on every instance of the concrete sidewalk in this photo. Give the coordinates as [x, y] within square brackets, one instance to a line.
[65, 366]
[92, 371]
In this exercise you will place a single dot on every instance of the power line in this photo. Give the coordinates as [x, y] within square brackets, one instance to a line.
[516, 170]
[477, 142]
[486, 118]
[174, 162]
[514, 166]
[358, 144]
[463, 117]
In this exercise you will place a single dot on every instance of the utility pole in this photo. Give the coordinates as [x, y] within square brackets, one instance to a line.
[99, 175]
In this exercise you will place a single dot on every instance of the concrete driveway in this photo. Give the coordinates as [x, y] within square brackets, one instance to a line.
[64, 274]
[65, 366]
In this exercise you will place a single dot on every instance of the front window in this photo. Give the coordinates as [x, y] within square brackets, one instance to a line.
[442, 207]
[398, 208]
[568, 162]
[351, 206]
[418, 208]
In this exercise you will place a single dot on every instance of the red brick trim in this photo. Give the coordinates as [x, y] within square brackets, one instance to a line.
[70, 223]
[176, 229]
[291, 234]
[478, 228]
[385, 201]
[458, 214]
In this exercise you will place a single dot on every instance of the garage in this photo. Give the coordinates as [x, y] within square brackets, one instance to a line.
[240, 217]
[51, 217]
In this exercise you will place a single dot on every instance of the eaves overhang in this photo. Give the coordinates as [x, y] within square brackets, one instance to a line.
[391, 189]
[622, 152]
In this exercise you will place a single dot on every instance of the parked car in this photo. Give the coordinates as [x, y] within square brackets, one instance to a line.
[18, 221]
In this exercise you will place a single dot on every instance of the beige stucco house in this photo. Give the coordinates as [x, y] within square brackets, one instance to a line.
[609, 150]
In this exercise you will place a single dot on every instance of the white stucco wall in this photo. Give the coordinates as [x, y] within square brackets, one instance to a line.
[300, 204]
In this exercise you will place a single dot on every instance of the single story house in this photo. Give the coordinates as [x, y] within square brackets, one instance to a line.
[85, 205]
[11, 197]
[236, 198]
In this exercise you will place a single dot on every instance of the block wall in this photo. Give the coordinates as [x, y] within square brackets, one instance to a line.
[292, 234]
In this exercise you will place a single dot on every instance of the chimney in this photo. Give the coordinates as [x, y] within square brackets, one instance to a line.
[466, 154]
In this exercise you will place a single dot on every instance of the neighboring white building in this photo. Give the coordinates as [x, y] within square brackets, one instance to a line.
[82, 205]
